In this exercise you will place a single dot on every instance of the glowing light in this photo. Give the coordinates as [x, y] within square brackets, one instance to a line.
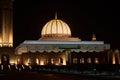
[26, 63]
[12, 61]
[96, 60]
[41, 62]
[60, 61]
[29, 61]
[6, 33]
[75, 60]
[89, 60]
[82, 60]
[0, 42]
[18, 61]
[37, 60]
[113, 60]
[64, 61]
[52, 60]
[56, 64]
[6, 39]
[56, 28]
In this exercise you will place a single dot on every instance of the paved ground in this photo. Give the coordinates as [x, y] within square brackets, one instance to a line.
[49, 76]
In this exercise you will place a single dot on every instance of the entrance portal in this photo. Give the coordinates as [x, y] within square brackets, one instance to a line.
[5, 59]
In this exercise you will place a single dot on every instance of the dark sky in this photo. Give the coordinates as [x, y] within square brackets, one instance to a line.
[84, 18]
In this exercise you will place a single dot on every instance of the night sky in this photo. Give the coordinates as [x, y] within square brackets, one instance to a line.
[84, 18]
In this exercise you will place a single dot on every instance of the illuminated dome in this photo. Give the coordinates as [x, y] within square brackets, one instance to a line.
[56, 28]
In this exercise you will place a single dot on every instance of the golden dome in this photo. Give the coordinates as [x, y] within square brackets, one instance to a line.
[56, 28]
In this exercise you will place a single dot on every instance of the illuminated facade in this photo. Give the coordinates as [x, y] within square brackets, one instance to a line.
[6, 23]
[55, 47]
[6, 32]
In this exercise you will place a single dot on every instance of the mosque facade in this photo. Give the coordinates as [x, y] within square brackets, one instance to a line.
[55, 47]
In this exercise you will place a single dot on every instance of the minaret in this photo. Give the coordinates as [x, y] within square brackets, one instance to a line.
[6, 23]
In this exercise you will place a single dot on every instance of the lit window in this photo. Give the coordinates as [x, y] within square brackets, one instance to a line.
[75, 60]
[29, 61]
[60, 60]
[81, 60]
[89, 60]
[113, 59]
[18, 61]
[52, 60]
[37, 61]
[96, 60]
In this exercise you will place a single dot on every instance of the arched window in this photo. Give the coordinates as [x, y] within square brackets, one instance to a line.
[18, 60]
[82, 60]
[29, 61]
[45, 61]
[88, 60]
[60, 61]
[52, 61]
[74, 60]
[96, 61]
[37, 61]
[4, 58]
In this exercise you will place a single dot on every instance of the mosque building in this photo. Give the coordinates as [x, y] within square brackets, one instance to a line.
[55, 47]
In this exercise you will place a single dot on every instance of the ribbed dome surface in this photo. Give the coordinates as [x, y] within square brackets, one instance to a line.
[56, 28]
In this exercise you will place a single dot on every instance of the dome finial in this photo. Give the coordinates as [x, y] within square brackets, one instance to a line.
[56, 15]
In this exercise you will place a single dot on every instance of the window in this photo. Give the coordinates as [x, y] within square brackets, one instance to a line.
[45, 61]
[60, 60]
[52, 60]
[29, 61]
[88, 60]
[18, 61]
[96, 60]
[82, 60]
[74, 60]
[37, 61]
